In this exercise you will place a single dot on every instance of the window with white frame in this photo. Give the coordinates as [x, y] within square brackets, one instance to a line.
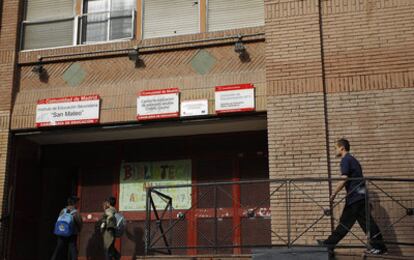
[234, 14]
[106, 20]
[163, 18]
[48, 23]
[53, 23]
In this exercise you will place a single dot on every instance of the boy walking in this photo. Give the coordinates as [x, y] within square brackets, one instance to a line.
[108, 226]
[354, 204]
[67, 228]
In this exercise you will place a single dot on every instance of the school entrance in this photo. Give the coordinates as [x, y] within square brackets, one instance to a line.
[94, 163]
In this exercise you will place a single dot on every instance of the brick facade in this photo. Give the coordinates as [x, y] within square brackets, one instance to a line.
[368, 74]
[355, 79]
[8, 54]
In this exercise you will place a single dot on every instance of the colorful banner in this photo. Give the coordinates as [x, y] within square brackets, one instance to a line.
[135, 177]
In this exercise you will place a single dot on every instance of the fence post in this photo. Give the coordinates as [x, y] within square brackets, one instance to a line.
[215, 219]
[288, 213]
[367, 215]
[148, 222]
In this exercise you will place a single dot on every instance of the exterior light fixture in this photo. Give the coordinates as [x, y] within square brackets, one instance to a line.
[239, 46]
[38, 68]
[133, 55]
[241, 50]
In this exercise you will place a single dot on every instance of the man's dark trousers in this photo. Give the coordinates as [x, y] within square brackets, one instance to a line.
[352, 213]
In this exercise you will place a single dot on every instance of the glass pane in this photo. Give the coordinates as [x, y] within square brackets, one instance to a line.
[121, 24]
[122, 5]
[95, 27]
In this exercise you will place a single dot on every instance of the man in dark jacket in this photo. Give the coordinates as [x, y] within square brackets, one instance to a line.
[69, 243]
[354, 209]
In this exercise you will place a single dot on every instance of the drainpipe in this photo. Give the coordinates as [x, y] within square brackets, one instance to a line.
[325, 108]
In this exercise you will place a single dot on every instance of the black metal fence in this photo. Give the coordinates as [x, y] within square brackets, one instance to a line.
[236, 217]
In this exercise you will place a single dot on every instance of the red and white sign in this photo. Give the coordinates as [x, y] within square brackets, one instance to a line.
[68, 111]
[234, 98]
[158, 104]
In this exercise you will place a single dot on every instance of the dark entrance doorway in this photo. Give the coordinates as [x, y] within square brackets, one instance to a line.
[62, 162]
[39, 195]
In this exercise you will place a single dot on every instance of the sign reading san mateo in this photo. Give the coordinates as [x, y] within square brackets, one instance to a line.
[158, 104]
[68, 111]
[234, 98]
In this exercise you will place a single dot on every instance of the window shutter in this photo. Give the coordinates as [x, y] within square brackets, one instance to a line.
[170, 17]
[121, 19]
[234, 14]
[46, 9]
[48, 33]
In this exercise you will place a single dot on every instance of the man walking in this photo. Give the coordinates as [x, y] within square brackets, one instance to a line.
[354, 204]
[108, 226]
[67, 229]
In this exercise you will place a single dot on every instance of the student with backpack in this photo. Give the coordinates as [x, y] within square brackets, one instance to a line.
[112, 225]
[67, 228]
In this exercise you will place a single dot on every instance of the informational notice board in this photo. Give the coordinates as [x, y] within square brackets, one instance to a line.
[74, 110]
[234, 98]
[158, 104]
[136, 176]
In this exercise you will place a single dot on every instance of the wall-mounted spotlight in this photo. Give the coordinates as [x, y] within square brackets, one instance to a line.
[239, 46]
[40, 71]
[38, 68]
[241, 50]
[133, 55]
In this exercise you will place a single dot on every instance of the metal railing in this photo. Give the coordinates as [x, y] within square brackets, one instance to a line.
[236, 217]
[87, 28]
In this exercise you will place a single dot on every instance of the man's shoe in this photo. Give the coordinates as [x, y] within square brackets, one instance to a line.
[330, 248]
[377, 251]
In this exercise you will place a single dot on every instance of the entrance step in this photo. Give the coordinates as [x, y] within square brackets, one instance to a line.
[284, 255]
[387, 257]
[198, 257]
[343, 256]
[294, 253]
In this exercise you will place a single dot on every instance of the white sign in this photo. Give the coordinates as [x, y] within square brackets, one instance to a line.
[235, 98]
[67, 111]
[194, 108]
[157, 104]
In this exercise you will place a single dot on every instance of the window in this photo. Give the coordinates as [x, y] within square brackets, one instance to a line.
[106, 20]
[48, 23]
[233, 14]
[53, 23]
[170, 17]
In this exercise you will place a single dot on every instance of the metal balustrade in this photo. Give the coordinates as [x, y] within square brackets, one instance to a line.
[226, 217]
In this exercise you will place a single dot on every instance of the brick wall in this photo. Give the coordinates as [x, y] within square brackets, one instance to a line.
[9, 25]
[117, 81]
[380, 125]
[369, 80]
[296, 125]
